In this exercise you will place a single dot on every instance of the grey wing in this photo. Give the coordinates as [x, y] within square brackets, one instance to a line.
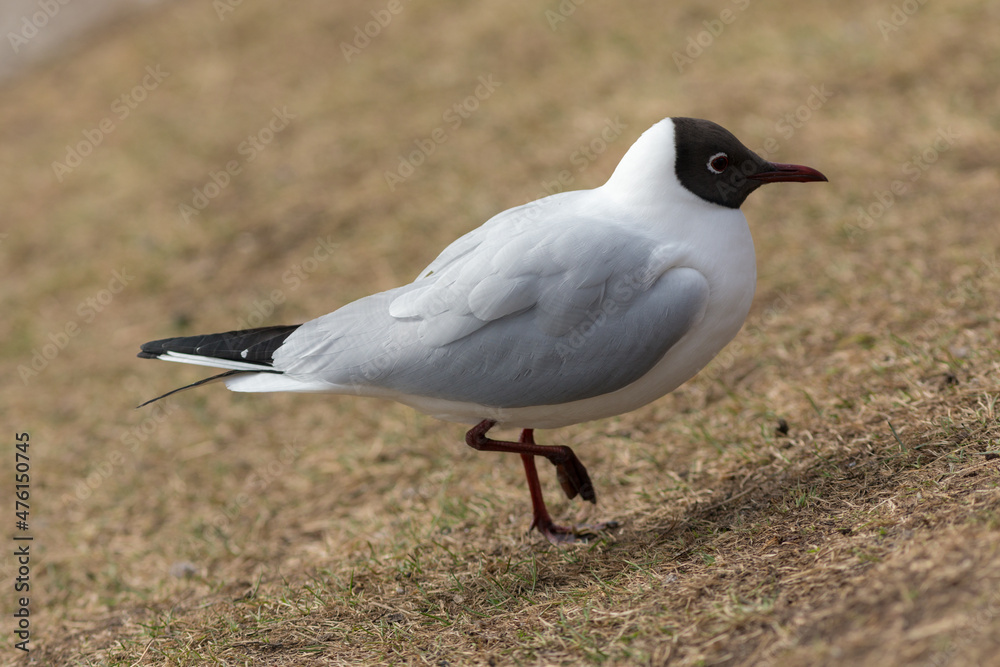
[506, 223]
[518, 359]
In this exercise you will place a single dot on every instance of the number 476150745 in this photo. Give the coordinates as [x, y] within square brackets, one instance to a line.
[21, 477]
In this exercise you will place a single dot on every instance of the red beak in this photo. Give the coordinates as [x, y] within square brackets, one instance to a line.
[794, 173]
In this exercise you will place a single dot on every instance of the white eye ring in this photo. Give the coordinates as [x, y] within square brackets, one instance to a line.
[713, 159]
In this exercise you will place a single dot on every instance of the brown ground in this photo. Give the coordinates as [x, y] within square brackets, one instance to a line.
[303, 530]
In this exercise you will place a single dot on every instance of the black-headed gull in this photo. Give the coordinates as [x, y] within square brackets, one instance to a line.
[575, 307]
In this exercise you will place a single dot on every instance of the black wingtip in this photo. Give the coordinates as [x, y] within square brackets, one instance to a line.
[246, 345]
[253, 346]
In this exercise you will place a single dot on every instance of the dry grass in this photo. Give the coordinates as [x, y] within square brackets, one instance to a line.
[301, 530]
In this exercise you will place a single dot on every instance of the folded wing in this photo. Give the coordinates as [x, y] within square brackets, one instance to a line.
[511, 315]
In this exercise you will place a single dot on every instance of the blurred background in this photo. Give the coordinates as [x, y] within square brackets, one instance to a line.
[183, 167]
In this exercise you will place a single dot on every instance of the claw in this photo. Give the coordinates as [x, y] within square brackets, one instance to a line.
[570, 534]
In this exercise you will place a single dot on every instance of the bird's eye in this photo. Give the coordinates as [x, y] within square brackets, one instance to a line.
[718, 163]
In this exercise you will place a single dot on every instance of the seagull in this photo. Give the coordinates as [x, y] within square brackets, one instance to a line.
[575, 307]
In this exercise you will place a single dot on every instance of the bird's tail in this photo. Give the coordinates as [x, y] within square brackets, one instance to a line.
[239, 352]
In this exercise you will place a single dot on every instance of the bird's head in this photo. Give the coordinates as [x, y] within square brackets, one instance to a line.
[716, 166]
[704, 159]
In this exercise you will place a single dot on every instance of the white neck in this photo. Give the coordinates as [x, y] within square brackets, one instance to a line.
[646, 174]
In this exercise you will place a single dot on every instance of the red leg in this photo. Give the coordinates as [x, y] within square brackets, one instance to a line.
[572, 475]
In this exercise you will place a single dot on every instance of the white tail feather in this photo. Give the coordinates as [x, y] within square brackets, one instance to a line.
[212, 362]
[275, 382]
